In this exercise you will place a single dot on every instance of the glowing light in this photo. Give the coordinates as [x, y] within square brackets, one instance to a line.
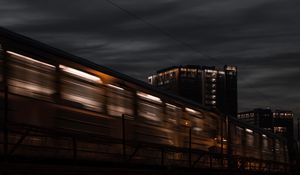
[191, 110]
[29, 59]
[210, 71]
[149, 97]
[249, 130]
[80, 73]
[197, 129]
[115, 87]
[186, 123]
[224, 140]
[264, 136]
[171, 106]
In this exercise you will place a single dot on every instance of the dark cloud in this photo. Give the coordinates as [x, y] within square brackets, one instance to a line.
[261, 37]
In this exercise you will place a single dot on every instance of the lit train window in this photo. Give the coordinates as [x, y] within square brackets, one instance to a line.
[173, 113]
[277, 146]
[30, 77]
[238, 135]
[119, 101]
[87, 95]
[150, 111]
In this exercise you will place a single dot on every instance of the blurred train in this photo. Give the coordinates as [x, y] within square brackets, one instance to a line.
[50, 90]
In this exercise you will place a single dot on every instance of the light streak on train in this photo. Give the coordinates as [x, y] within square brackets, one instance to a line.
[29, 59]
[149, 97]
[80, 73]
[116, 87]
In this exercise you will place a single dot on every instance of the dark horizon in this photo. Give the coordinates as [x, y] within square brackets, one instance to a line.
[260, 37]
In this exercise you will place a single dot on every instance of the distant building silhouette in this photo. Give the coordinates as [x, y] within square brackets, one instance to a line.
[278, 121]
[209, 86]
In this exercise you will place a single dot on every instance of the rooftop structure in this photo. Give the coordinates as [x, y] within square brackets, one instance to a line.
[210, 86]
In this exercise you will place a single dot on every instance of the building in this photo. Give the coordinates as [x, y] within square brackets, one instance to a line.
[262, 118]
[209, 86]
[283, 123]
[279, 122]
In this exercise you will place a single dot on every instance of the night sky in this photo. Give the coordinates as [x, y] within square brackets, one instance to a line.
[261, 37]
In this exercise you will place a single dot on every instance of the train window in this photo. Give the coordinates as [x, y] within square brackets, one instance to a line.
[150, 111]
[238, 135]
[195, 120]
[277, 145]
[82, 94]
[119, 101]
[30, 77]
[172, 114]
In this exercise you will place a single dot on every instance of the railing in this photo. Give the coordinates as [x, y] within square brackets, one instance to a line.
[31, 141]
